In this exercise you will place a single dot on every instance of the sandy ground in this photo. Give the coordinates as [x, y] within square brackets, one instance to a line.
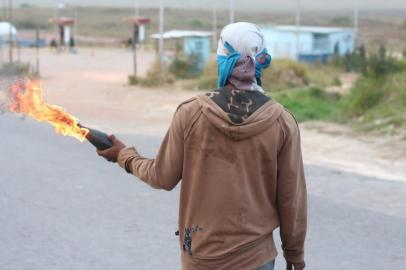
[92, 86]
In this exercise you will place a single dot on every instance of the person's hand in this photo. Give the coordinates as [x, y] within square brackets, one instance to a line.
[111, 154]
[295, 266]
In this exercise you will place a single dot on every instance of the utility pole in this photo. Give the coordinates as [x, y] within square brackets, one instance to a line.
[298, 26]
[76, 25]
[231, 11]
[10, 37]
[356, 18]
[4, 10]
[56, 15]
[356, 15]
[135, 39]
[37, 51]
[161, 37]
[136, 8]
[214, 26]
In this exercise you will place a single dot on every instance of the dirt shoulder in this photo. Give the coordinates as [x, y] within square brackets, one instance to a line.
[340, 148]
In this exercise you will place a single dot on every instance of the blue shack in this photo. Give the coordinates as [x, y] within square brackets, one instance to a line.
[190, 43]
[308, 43]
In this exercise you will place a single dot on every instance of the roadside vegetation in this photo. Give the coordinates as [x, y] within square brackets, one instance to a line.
[8, 70]
[180, 68]
[375, 103]
[309, 103]
[154, 78]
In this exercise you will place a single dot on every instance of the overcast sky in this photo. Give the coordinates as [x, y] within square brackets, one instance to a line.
[240, 4]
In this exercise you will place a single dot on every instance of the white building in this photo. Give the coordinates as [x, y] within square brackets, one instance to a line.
[308, 43]
[5, 28]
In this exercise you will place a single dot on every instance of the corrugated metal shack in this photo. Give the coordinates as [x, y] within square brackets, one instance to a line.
[308, 43]
[190, 43]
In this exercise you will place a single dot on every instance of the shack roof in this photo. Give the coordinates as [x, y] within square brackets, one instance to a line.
[174, 34]
[138, 20]
[308, 29]
[62, 21]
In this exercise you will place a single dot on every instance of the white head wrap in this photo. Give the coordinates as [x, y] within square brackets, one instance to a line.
[244, 37]
[247, 39]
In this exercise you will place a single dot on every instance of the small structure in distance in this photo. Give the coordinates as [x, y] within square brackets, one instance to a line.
[190, 43]
[5, 28]
[64, 25]
[138, 35]
[139, 24]
[308, 43]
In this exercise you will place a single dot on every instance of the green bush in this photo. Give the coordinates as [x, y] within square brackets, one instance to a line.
[208, 79]
[196, 24]
[186, 67]
[380, 64]
[365, 94]
[356, 61]
[376, 103]
[309, 104]
[341, 21]
[153, 78]
[285, 74]
[336, 82]
[15, 69]
[376, 64]
[321, 75]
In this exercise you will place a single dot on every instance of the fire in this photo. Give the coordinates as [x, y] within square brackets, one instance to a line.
[26, 98]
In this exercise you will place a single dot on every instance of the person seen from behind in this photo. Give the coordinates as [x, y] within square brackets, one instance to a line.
[236, 154]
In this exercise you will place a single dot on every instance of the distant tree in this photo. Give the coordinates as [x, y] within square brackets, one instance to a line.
[348, 61]
[196, 24]
[363, 59]
[382, 53]
[381, 64]
[341, 21]
[26, 5]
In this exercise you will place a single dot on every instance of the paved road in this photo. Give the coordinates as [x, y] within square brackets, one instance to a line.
[62, 207]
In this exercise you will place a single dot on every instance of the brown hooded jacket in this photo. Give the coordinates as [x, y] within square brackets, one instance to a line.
[239, 183]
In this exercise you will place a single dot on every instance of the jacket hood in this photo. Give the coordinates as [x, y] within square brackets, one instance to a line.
[255, 124]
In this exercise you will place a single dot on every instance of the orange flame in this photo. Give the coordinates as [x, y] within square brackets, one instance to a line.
[26, 98]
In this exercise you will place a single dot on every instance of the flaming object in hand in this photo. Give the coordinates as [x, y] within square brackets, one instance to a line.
[26, 98]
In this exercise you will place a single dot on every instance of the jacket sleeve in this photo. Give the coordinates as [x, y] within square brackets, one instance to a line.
[165, 171]
[291, 193]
